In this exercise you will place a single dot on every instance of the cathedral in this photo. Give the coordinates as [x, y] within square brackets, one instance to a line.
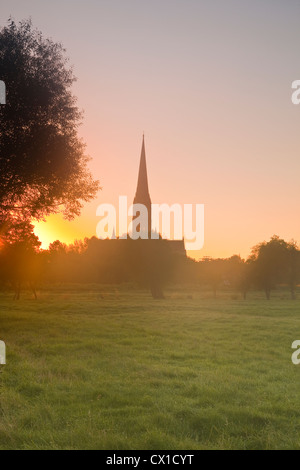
[149, 261]
[142, 196]
[143, 222]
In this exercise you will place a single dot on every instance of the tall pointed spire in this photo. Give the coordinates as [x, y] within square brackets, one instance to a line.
[142, 195]
[142, 190]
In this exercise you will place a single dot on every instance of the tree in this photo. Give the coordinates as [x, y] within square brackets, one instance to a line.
[57, 247]
[19, 233]
[272, 263]
[211, 272]
[19, 260]
[293, 266]
[43, 165]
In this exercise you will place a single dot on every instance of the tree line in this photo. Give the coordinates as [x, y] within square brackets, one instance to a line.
[149, 263]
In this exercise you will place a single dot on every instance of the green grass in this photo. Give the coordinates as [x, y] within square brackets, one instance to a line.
[118, 370]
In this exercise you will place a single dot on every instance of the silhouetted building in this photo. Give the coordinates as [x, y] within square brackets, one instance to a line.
[142, 196]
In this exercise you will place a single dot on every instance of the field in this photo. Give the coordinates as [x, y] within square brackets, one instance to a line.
[100, 368]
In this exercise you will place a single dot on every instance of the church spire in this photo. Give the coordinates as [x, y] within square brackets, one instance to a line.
[142, 195]
[142, 190]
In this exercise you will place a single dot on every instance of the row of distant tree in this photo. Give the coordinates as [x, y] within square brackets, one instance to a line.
[269, 265]
[150, 264]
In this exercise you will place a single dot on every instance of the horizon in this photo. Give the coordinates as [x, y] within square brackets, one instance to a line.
[208, 89]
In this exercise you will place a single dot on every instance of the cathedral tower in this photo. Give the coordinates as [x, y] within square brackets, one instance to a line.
[142, 195]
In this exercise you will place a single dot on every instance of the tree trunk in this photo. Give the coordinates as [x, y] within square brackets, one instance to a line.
[215, 292]
[156, 291]
[293, 294]
[268, 293]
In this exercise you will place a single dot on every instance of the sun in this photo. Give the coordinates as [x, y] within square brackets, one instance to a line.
[45, 234]
[54, 228]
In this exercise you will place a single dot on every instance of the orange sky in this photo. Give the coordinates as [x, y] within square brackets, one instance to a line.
[210, 85]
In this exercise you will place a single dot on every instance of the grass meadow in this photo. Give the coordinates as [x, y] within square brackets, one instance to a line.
[101, 368]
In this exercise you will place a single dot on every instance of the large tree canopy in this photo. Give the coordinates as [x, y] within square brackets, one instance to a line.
[43, 165]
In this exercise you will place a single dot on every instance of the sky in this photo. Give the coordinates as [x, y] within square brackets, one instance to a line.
[209, 83]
